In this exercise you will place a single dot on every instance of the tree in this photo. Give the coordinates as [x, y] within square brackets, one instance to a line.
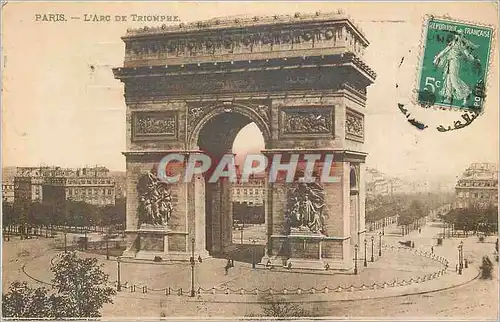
[8, 215]
[81, 286]
[21, 213]
[23, 301]
[79, 291]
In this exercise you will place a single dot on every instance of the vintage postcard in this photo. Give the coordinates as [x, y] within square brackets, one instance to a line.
[250, 160]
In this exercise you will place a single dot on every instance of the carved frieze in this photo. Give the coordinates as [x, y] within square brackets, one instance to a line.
[196, 44]
[149, 125]
[354, 125]
[228, 83]
[306, 120]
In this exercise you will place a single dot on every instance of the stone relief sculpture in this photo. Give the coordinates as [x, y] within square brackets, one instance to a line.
[155, 201]
[154, 124]
[307, 122]
[306, 208]
[354, 125]
[194, 114]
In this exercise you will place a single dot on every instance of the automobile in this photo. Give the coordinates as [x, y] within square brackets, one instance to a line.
[406, 243]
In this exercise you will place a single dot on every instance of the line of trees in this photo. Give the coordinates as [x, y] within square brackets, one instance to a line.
[473, 218]
[410, 208]
[26, 217]
[412, 217]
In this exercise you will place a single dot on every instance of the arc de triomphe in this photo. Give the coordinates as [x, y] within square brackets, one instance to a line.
[192, 87]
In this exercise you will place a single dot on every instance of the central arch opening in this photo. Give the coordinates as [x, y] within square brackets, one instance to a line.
[234, 212]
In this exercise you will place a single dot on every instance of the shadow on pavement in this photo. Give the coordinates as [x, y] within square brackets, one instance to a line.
[243, 253]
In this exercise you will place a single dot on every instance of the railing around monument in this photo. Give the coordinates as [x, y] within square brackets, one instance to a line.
[168, 291]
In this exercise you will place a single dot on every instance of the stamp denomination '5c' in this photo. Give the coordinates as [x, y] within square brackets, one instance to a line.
[454, 65]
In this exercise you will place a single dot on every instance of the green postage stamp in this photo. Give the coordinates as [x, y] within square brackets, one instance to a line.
[454, 64]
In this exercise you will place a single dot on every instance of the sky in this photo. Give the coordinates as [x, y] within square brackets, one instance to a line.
[62, 106]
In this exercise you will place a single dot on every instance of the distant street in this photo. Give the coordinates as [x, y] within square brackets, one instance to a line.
[250, 232]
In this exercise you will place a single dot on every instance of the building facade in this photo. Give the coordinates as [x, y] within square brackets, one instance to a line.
[251, 192]
[478, 185]
[376, 183]
[91, 185]
[8, 192]
[28, 182]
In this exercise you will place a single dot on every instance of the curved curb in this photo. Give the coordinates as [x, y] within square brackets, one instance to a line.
[23, 269]
[367, 294]
[305, 300]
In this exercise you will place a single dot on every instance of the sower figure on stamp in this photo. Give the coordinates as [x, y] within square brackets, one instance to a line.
[450, 59]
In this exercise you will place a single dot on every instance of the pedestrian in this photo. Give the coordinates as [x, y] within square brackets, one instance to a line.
[432, 249]
[419, 230]
[228, 265]
[456, 268]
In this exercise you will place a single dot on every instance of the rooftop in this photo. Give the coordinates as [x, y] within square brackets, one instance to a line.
[244, 21]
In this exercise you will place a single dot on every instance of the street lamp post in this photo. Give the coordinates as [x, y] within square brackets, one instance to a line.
[380, 245]
[365, 264]
[65, 242]
[107, 249]
[192, 267]
[459, 267]
[461, 255]
[356, 259]
[444, 230]
[119, 285]
[241, 235]
[253, 252]
[85, 238]
[372, 250]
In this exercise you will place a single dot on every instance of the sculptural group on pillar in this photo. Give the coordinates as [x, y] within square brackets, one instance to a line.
[155, 201]
[305, 211]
